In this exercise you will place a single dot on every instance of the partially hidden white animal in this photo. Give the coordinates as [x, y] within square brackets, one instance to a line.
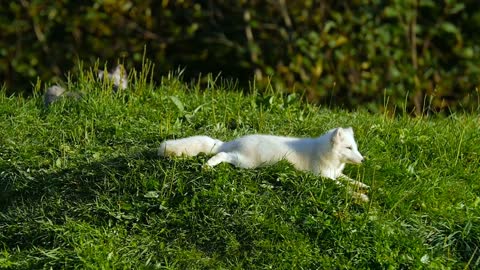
[118, 77]
[325, 155]
[56, 92]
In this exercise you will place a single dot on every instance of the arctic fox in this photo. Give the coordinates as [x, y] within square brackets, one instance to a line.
[118, 77]
[325, 155]
[56, 92]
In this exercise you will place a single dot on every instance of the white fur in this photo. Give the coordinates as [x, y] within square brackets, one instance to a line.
[118, 76]
[56, 92]
[325, 155]
[190, 146]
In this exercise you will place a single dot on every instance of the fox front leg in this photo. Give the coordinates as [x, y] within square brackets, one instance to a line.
[355, 183]
[356, 195]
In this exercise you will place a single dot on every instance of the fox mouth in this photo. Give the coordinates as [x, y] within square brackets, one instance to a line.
[354, 161]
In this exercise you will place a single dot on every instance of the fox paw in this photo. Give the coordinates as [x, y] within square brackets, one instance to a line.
[360, 197]
[361, 185]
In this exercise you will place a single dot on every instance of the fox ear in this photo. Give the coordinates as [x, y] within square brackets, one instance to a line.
[119, 71]
[337, 135]
[349, 130]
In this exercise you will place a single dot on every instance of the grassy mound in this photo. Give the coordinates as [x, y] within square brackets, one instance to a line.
[81, 185]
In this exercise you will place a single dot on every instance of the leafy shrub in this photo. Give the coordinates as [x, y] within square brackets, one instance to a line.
[351, 53]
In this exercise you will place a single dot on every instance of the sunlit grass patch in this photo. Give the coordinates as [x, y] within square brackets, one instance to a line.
[81, 185]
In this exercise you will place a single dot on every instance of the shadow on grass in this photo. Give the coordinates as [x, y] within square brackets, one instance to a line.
[84, 181]
[35, 204]
[222, 211]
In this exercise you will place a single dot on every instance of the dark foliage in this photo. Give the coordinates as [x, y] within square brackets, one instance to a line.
[350, 53]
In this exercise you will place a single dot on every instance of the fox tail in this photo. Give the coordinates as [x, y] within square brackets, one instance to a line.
[190, 146]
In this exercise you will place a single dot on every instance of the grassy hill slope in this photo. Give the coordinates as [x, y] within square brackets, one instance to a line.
[81, 186]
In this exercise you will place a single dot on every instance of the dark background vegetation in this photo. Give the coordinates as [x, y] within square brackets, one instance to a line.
[349, 53]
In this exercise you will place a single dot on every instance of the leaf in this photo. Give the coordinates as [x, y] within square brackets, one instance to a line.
[177, 103]
[390, 12]
[449, 28]
[457, 8]
[425, 259]
[58, 162]
[426, 3]
[341, 40]
[151, 194]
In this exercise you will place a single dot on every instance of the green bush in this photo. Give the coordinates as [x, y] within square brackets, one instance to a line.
[350, 53]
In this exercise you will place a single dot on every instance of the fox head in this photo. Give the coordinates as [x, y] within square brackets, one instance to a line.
[345, 147]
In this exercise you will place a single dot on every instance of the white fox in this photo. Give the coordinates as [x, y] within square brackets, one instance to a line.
[56, 92]
[118, 77]
[325, 155]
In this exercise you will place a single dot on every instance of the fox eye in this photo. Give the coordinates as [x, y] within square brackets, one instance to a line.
[349, 148]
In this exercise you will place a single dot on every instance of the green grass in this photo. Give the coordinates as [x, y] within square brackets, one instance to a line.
[81, 185]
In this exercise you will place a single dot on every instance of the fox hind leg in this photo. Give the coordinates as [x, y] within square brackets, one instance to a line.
[234, 158]
[222, 157]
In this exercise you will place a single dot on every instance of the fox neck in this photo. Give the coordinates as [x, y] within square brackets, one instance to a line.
[329, 164]
[331, 168]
